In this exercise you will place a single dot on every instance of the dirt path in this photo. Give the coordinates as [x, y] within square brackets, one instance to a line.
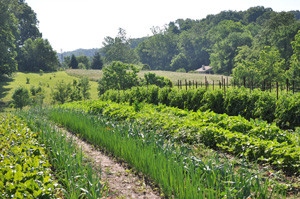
[122, 181]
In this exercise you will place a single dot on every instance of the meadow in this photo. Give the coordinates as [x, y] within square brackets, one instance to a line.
[94, 75]
[47, 81]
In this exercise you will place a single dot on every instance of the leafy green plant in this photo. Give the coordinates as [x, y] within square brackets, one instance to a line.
[20, 97]
[234, 134]
[24, 167]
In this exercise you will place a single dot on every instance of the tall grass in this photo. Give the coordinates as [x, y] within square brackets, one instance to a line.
[179, 172]
[71, 167]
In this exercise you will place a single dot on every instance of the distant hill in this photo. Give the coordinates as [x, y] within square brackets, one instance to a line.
[91, 52]
[79, 52]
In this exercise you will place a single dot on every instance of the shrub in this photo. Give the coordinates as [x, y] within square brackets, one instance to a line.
[20, 97]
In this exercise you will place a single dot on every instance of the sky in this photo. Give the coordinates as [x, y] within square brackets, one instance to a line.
[74, 24]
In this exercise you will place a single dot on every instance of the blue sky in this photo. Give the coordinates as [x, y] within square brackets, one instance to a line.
[73, 24]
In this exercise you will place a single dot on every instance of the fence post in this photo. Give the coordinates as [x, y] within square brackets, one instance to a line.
[270, 86]
[213, 85]
[224, 88]
[227, 81]
[245, 82]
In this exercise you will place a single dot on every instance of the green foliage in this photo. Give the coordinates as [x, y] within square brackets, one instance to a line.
[97, 62]
[179, 61]
[116, 76]
[37, 55]
[294, 72]
[254, 139]
[8, 63]
[83, 62]
[20, 97]
[181, 70]
[118, 49]
[37, 95]
[146, 67]
[268, 67]
[175, 168]
[236, 101]
[25, 171]
[66, 92]
[160, 81]
[73, 62]
[72, 169]
[61, 93]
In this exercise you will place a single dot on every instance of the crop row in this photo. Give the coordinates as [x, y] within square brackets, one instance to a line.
[179, 172]
[73, 171]
[253, 139]
[24, 167]
[235, 101]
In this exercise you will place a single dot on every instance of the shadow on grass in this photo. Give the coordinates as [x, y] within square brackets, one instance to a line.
[4, 81]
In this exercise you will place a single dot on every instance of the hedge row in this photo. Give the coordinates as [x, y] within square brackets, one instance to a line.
[236, 101]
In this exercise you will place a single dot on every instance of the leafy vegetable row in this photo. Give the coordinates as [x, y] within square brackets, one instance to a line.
[236, 101]
[254, 139]
[24, 168]
[175, 168]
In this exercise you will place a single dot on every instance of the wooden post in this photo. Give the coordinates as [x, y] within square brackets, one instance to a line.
[222, 80]
[227, 81]
[178, 84]
[224, 88]
[185, 85]
[270, 86]
[245, 82]
[213, 85]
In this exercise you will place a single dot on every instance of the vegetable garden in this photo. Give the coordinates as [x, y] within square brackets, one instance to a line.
[170, 136]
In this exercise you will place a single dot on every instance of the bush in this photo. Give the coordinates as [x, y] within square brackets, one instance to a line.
[61, 93]
[153, 79]
[145, 67]
[181, 70]
[20, 97]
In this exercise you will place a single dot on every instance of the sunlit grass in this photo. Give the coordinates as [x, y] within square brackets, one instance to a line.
[174, 76]
[47, 81]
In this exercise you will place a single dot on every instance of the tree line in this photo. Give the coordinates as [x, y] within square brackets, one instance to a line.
[22, 47]
[256, 42]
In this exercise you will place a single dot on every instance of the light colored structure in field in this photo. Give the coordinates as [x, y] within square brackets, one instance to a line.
[205, 69]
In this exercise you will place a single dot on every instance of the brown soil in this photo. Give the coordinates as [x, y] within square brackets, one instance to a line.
[122, 182]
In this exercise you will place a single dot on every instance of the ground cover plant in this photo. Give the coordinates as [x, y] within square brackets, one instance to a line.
[73, 171]
[285, 110]
[254, 139]
[24, 167]
[179, 172]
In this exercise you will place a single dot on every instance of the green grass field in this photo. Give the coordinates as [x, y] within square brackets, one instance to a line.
[47, 81]
[174, 76]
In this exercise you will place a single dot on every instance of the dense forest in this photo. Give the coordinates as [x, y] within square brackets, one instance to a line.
[256, 42]
[22, 47]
